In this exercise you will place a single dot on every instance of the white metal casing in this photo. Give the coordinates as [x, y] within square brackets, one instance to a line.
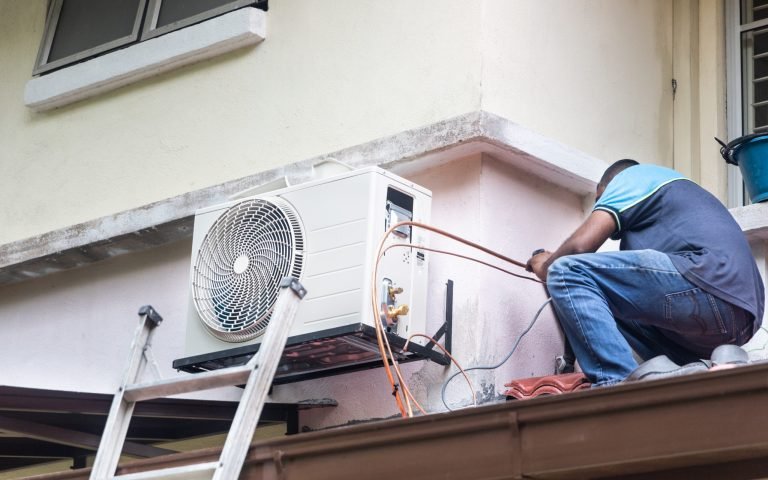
[344, 218]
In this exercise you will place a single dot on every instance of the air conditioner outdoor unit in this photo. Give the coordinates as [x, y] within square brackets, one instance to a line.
[325, 233]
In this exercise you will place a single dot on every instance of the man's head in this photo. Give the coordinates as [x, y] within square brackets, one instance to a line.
[612, 171]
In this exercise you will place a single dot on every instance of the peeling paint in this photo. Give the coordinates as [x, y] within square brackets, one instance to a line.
[487, 393]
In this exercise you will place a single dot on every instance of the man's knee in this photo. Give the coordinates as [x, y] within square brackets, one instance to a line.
[560, 266]
[557, 269]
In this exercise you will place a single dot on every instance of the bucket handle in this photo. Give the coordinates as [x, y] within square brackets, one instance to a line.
[726, 151]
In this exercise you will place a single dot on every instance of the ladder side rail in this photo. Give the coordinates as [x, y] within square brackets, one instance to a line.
[119, 417]
[254, 396]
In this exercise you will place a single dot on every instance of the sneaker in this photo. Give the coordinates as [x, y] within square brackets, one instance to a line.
[728, 356]
[662, 367]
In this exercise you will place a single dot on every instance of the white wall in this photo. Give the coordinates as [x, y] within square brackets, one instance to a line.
[72, 331]
[329, 75]
[593, 74]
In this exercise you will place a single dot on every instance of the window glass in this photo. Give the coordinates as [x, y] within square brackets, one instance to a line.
[85, 24]
[755, 10]
[754, 64]
[176, 10]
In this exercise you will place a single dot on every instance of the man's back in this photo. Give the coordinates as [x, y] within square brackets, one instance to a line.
[656, 208]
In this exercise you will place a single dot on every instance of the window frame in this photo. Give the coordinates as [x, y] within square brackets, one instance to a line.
[217, 36]
[150, 29]
[734, 98]
[51, 23]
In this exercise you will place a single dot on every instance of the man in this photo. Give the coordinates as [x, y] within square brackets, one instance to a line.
[683, 283]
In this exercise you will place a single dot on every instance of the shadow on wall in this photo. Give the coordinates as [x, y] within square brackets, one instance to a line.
[72, 330]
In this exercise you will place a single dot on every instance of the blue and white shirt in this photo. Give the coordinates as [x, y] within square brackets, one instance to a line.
[658, 208]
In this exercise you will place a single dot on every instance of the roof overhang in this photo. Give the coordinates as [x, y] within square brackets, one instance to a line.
[38, 425]
[404, 153]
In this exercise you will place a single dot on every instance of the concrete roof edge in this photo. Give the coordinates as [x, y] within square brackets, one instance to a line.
[551, 159]
[753, 220]
[170, 219]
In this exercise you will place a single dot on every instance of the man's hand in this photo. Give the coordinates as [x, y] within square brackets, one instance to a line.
[595, 230]
[538, 265]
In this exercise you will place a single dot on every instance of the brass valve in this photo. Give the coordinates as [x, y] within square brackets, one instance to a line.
[394, 312]
[392, 291]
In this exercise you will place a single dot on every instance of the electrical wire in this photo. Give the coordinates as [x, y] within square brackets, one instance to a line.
[384, 347]
[406, 409]
[403, 384]
[448, 354]
[502, 362]
[383, 342]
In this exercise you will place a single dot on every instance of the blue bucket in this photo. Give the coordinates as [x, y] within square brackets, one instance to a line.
[750, 153]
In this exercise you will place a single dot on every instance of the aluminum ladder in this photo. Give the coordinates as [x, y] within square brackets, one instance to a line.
[257, 375]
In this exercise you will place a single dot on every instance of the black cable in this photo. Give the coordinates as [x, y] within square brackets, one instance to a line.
[493, 367]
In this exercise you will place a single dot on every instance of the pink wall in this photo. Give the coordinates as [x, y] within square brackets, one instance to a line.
[72, 330]
[507, 210]
[513, 213]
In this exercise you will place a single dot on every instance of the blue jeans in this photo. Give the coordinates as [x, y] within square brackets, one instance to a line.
[612, 303]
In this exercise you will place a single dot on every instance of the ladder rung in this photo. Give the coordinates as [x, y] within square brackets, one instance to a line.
[189, 383]
[198, 471]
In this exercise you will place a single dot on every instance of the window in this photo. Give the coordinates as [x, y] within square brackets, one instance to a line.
[746, 22]
[164, 16]
[754, 65]
[76, 30]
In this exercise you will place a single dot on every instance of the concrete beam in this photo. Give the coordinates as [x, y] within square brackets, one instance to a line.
[73, 438]
[753, 220]
[404, 153]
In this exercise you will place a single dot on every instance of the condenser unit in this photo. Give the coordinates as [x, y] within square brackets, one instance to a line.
[325, 233]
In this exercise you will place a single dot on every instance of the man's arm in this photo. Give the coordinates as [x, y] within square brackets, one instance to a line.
[590, 235]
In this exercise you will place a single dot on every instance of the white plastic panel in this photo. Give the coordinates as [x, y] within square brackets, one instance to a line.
[344, 219]
[330, 237]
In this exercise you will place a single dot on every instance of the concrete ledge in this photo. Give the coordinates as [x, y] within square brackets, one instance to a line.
[213, 37]
[406, 152]
[753, 220]
[704, 426]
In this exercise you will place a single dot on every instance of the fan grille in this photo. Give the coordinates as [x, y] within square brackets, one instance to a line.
[243, 257]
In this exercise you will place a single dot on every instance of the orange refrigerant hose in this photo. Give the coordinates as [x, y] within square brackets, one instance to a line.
[383, 343]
